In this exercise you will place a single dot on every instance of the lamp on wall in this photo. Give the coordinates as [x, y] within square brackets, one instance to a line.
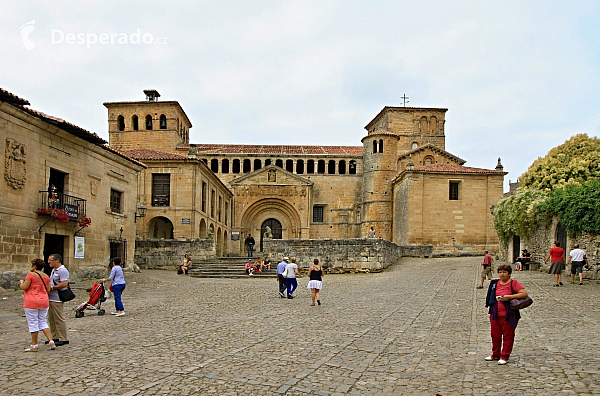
[141, 212]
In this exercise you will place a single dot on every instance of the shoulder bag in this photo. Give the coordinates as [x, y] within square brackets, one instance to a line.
[519, 303]
[65, 295]
[285, 272]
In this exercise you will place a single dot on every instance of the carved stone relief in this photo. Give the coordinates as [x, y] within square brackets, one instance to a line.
[15, 170]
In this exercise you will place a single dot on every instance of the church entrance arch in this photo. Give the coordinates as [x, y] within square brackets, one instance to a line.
[160, 228]
[275, 227]
[261, 211]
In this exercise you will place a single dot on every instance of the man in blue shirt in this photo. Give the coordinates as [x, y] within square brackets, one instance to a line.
[280, 268]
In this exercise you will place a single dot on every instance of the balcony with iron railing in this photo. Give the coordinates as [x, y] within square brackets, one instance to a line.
[72, 206]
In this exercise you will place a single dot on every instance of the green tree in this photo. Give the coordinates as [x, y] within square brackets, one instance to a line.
[574, 162]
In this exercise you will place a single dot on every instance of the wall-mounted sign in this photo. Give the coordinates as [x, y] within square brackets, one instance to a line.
[71, 210]
[79, 247]
[235, 235]
[186, 220]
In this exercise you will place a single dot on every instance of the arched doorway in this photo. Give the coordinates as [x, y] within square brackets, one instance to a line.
[202, 232]
[561, 236]
[275, 227]
[160, 228]
[219, 242]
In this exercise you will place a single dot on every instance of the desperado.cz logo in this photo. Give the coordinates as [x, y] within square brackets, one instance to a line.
[58, 37]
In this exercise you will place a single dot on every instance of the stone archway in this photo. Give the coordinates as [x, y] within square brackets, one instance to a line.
[160, 228]
[275, 227]
[202, 230]
[272, 208]
[219, 242]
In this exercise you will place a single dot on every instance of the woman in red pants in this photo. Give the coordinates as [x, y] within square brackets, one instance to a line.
[503, 320]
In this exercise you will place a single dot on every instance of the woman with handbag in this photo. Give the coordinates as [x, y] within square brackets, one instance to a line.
[291, 270]
[503, 319]
[35, 303]
[117, 285]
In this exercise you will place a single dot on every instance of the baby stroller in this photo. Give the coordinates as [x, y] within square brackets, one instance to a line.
[97, 297]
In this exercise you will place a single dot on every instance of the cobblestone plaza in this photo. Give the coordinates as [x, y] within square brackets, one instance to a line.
[419, 328]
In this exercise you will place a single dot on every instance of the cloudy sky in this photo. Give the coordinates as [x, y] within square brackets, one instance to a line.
[518, 78]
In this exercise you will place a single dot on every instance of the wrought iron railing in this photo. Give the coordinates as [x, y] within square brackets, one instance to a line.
[73, 206]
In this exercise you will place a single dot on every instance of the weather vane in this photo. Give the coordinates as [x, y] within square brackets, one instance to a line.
[404, 98]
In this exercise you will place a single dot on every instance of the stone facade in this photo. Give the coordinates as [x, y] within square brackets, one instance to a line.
[169, 253]
[323, 192]
[348, 255]
[184, 199]
[85, 172]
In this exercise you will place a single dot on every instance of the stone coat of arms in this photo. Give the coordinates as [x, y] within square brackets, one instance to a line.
[14, 164]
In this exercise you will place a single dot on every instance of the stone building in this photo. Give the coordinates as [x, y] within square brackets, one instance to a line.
[401, 181]
[56, 176]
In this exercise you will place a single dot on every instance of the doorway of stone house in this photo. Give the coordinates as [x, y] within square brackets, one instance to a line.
[53, 244]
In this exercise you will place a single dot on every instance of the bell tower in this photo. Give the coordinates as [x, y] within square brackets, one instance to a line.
[151, 124]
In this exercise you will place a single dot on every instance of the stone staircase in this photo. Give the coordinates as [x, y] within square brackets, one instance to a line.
[225, 267]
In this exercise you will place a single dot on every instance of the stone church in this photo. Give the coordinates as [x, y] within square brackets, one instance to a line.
[401, 181]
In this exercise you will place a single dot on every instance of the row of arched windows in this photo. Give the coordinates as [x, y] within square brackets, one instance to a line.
[135, 122]
[300, 167]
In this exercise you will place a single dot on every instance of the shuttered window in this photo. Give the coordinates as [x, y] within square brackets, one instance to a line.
[161, 189]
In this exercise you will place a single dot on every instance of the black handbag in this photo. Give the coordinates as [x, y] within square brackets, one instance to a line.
[65, 295]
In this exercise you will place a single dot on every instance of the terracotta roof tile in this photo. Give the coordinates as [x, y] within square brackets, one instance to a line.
[11, 98]
[433, 148]
[452, 168]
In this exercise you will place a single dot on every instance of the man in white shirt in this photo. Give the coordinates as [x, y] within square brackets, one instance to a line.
[59, 279]
[577, 259]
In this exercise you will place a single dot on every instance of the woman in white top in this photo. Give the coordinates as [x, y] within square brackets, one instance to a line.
[290, 277]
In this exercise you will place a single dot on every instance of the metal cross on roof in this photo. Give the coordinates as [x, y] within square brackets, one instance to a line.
[404, 98]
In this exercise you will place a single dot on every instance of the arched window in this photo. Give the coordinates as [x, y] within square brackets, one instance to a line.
[257, 164]
[381, 145]
[268, 162]
[163, 121]
[428, 160]
[423, 125]
[310, 166]
[289, 165]
[149, 122]
[134, 123]
[415, 145]
[225, 166]
[342, 167]
[247, 167]
[331, 167]
[121, 123]
[321, 166]
[433, 125]
[214, 165]
[236, 166]
[374, 146]
[300, 167]
[279, 163]
[352, 167]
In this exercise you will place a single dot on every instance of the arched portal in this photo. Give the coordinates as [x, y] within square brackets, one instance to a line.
[561, 236]
[202, 231]
[219, 242]
[160, 228]
[275, 227]
[273, 208]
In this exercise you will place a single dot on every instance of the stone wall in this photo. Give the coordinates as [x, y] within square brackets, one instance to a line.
[169, 253]
[343, 255]
[540, 242]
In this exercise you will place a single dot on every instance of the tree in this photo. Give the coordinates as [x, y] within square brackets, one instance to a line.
[574, 162]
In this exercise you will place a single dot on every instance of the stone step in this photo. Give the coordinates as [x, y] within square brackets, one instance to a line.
[224, 267]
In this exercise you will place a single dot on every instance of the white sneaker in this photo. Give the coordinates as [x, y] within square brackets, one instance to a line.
[489, 359]
[114, 313]
[120, 314]
[502, 362]
[250, 274]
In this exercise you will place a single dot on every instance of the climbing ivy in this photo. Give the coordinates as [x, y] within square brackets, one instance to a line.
[577, 207]
[519, 214]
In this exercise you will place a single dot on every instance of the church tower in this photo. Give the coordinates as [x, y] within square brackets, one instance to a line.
[379, 168]
[151, 124]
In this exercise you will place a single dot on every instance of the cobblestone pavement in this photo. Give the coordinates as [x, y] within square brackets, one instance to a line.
[419, 328]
